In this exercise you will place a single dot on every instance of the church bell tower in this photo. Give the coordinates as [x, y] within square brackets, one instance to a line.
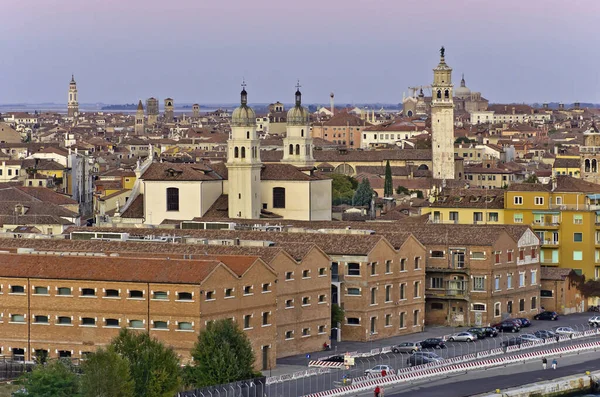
[442, 121]
[243, 163]
[297, 144]
[73, 104]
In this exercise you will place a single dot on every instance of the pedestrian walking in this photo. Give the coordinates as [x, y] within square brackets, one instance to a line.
[554, 364]
[383, 372]
[377, 391]
[557, 338]
[544, 362]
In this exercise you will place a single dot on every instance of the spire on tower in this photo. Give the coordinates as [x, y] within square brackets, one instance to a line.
[244, 94]
[140, 106]
[298, 94]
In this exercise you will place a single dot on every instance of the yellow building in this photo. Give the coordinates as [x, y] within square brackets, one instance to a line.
[566, 218]
[566, 165]
[468, 206]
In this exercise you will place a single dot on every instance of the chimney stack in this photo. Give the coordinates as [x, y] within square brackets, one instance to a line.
[331, 103]
[561, 105]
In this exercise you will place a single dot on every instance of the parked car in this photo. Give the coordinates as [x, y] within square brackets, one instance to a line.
[421, 357]
[435, 343]
[507, 326]
[462, 337]
[552, 316]
[544, 334]
[407, 347]
[334, 359]
[530, 338]
[512, 342]
[594, 321]
[524, 322]
[479, 332]
[491, 331]
[565, 331]
[516, 321]
[376, 370]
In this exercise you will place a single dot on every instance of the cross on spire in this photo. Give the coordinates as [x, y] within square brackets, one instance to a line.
[243, 83]
[298, 85]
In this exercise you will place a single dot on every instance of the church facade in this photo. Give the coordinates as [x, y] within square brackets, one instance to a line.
[241, 188]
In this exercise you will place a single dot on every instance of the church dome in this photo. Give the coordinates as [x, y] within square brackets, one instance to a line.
[463, 90]
[243, 115]
[298, 115]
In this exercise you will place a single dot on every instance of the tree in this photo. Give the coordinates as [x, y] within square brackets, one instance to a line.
[363, 194]
[222, 354]
[154, 367]
[343, 188]
[106, 374]
[337, 315]
[462, 139]
[388, 185]
[51, 380]
[531, 179]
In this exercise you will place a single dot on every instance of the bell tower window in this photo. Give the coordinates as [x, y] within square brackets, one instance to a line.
[236, 152]
[302, 133]
[291, 149]
[243, 152]
[447, 94]
[439, 94]
[297, 150]
[248, 135]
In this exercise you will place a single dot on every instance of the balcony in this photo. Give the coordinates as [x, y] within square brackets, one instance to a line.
[549, 243]
[448, 293]
[545, 225]
[549, 262]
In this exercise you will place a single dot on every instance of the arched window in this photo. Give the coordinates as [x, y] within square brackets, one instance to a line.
[248, 135]
[172, 199]
[236, 152]
[297, 150]
[291, 149]
[594, 166]
[439, 94]
[278, 197]
[447, 94]
[302, 133]
[243, 152]
[587, 165]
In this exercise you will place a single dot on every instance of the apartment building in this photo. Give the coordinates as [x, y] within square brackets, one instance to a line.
[477, 275]
[69, 305]
[468, 206]
[564, 215]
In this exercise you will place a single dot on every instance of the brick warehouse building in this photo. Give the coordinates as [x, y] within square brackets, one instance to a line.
[69, 305]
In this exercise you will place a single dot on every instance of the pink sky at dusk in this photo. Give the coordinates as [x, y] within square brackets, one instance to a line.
[364, 51]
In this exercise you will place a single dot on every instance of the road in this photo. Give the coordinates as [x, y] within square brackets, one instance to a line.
[501, 378]
[299, 387]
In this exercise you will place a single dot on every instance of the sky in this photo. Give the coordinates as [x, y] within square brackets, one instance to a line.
[362, 50]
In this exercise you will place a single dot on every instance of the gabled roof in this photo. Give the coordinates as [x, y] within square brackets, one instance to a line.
[179, 172]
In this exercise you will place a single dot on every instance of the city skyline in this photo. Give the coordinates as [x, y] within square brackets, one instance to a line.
[199, 52]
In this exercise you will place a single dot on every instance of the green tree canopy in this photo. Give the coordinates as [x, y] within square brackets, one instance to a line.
[388, 185]
[343, 188]
[363, 194]
[531, 179]
[51, 380]
[106, 374]
[222, 354]
[154, 367]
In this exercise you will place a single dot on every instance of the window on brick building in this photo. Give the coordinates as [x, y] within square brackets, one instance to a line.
[64, 291]
[403, 264]
[88, 321]
[111, 322]
[160, 325]
[136, 294]
[88, 292]
[63, 320]
[184, 296]
[160, 295]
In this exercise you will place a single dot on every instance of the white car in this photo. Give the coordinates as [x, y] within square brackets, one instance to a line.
[530, 338]
[565, 331]
[376, 370]
[594, 321]
[462, 337]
